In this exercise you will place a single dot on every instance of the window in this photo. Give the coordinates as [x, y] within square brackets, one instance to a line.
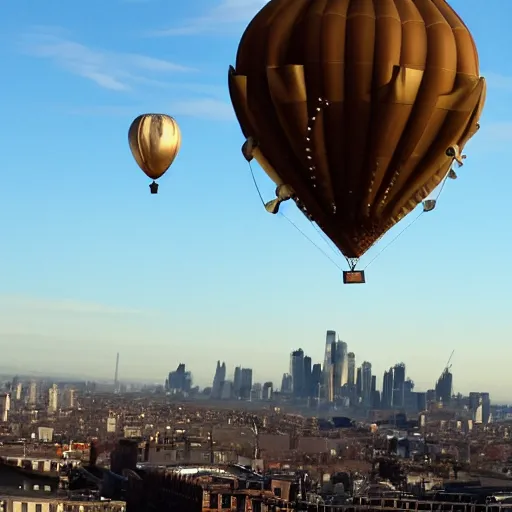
[39, 507]
[214, 501]
[277, 491]
[206, 456]
[226, 501]
[240, 504]
[24, 507]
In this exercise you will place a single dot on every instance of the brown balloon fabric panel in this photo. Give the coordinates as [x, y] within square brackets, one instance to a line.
[356, 104]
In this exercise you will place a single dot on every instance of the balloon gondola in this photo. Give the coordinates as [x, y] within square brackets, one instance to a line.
[155, 140]
[356, 109]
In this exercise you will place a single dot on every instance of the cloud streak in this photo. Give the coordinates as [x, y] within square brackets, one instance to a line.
[109, 70]
[223, 17]
[201, 108]
[32, 304]
[205, 108]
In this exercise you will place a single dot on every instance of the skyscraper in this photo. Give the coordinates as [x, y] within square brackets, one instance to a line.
[5, 406]
[387, 390]
[366, 388]
[267, 391]
[486, 408]
[398, 385]
[32, 394]
[308, 389]
[359, 383]
[351, 369]
[341, 369]
[375, 395]
[286, 384]
[53, 399]
[179, 381]
[246, 384]
[297, 372]
[237, 381]
[480, 407]
[444, 387]
[69, 398]
[316, 380]
[327, 371]
[218, 380]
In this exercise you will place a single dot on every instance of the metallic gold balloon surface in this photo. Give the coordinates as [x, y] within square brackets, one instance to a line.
[155, 140]
[360, 106]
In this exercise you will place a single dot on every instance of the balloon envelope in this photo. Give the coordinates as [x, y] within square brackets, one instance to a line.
[361, 106]
[155, 140]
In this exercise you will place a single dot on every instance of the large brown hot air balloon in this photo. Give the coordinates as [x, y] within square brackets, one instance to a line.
[356, 109]
[155, 140]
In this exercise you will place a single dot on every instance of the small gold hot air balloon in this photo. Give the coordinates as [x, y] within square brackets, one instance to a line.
[155, 140]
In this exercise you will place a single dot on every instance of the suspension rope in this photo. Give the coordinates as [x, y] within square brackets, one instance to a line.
[443, 183]
[328, 242]
[256, 184]
[293, 223]
[394, 239]
[442, 186]
[311, 241]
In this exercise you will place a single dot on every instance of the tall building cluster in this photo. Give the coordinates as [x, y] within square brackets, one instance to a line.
[480, 407]
[35, 395]
[240, 387]
[444, 387]
[344, 382]
[338, 381]
[304, 378]
[179, 381]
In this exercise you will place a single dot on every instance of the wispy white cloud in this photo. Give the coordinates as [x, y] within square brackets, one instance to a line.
[205, 108]
[202, 108]
[223, 17]
[33, 304]
[110, 70]
[99, 110]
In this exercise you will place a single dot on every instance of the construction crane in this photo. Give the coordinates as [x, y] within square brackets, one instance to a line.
[448, 365]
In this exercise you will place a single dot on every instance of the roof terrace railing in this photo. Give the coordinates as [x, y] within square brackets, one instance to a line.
[408, 505]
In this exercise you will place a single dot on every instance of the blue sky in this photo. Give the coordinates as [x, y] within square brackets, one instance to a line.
[92, 264]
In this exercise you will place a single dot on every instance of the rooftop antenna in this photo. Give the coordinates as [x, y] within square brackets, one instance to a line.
[116, 375]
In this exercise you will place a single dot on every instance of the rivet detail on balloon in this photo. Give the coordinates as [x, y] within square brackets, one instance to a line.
[321, 104]
[390, 186]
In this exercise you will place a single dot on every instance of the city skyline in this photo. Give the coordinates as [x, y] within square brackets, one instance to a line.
[340, 375]
[201, 369]
[95, 265]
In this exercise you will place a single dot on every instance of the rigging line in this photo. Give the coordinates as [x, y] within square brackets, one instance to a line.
[293, 223]
[443, 184]
[394, 239]
[256, 184]
[325, 239]
[311, 241]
